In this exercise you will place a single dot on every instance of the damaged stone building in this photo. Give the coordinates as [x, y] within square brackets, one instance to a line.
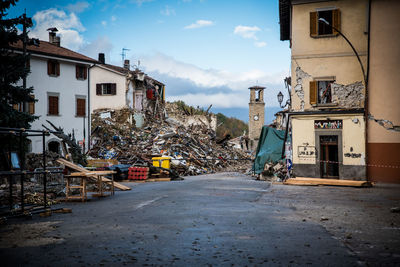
[115, 87]
[331, 44]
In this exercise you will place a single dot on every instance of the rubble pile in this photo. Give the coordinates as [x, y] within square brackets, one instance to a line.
[34, 161]
[274, 172]
[193, 150]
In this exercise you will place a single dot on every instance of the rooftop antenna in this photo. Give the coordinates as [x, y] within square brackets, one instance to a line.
[124, 53]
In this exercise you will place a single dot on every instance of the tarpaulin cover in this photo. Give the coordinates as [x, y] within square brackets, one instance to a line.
[269, 148]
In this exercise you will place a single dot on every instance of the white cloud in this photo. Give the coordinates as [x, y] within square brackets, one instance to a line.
[104, 23]
[200, 24]
[68, 25]
[113, 18]
[101, 44]
[77, 7]
[260, 44]
[210, 83]
[168, 11]
[247, 31]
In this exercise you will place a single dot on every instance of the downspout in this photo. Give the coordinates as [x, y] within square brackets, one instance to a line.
[366, 102]
[88, 110]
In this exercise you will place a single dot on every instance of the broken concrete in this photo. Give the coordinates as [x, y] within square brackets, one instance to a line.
[298, 88]
[349, 96]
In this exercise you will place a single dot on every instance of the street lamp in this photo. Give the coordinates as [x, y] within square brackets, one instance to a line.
[352, 47]
[280, 100]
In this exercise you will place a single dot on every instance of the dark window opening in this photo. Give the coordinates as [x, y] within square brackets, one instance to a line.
[54, 146]
[324, 92]
[324, 29]
[106, 89]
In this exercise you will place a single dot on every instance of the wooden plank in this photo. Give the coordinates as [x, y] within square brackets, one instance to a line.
[92, 177]
[320, 181]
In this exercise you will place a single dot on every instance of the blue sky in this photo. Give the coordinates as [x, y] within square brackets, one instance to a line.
[205, 51]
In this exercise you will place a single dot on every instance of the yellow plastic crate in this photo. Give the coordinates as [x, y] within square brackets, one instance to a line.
[163, 162]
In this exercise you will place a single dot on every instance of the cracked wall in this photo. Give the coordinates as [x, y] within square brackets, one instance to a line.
[349, 96]
[388, 125]
[298, 88]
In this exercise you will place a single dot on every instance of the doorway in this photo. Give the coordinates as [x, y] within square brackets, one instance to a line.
[329, 156]
[54, 146]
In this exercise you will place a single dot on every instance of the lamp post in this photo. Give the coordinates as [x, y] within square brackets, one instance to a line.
[351, 45]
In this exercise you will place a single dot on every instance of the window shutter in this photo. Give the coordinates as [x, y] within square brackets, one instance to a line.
[113, 88]
[336, 20]
[313, 92]
[56, 103]
[313, 24]
[80, 107]
[77, 71]
[48, 67]
[98, 88]
[57, 68]
[85, 70]
[32, 105]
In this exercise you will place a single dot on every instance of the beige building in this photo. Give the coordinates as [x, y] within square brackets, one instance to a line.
[256, 114]
[328, 86]
[383, 146]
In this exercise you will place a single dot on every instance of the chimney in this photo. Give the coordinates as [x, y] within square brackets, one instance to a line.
[126, 64]
[101, 58]
[53, 39]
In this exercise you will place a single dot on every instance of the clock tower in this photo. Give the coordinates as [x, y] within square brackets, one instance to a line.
[256, 114]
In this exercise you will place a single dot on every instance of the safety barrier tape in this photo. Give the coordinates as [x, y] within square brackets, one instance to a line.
[338, 162]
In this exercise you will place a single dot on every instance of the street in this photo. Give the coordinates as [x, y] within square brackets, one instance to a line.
[223, 219]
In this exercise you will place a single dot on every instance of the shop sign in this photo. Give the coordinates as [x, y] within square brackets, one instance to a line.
[328, 124]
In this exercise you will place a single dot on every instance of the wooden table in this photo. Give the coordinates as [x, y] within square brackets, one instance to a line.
[87, 177]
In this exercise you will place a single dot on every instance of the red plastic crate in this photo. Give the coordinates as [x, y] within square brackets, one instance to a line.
[138, 173]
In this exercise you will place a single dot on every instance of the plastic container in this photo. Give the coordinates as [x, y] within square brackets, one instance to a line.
[163, 162]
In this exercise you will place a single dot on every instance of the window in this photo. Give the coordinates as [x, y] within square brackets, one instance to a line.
[106, 89]
[81, 72]
[320, 92]
[53, 68]
[80, 107]
[53, 105]
[31, 105]
[319, 28]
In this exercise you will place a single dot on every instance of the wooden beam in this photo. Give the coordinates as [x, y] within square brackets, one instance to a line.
[319, 181]
[93, 177]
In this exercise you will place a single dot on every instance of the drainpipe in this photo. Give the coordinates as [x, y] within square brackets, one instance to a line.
[366, 102]
[88, 108]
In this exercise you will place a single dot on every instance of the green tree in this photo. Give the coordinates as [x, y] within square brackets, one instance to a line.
[13, 70]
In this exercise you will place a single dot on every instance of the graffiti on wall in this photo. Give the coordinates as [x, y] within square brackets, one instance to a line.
[328, 124]
[306, 152]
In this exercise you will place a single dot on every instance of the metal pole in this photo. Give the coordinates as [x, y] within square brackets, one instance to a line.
[44, 170]
[24, 41]
[22, 166]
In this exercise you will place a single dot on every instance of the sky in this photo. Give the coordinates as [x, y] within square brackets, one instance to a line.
[204, 51]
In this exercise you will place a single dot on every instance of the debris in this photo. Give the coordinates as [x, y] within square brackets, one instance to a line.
[192, 149]
[395, 210]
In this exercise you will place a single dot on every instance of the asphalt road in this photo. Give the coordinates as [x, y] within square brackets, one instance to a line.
[210, 220]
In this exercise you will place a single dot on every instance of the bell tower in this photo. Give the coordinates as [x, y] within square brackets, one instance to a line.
[256, 114]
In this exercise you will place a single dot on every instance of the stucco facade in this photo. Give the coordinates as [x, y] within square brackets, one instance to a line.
[68, 89]
[384, 94]
[103, 75]
[328, 89]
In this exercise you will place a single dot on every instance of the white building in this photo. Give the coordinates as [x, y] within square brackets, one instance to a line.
[61, 85]
[114, 87]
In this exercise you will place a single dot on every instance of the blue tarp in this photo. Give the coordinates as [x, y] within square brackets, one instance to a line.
[269, 148]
